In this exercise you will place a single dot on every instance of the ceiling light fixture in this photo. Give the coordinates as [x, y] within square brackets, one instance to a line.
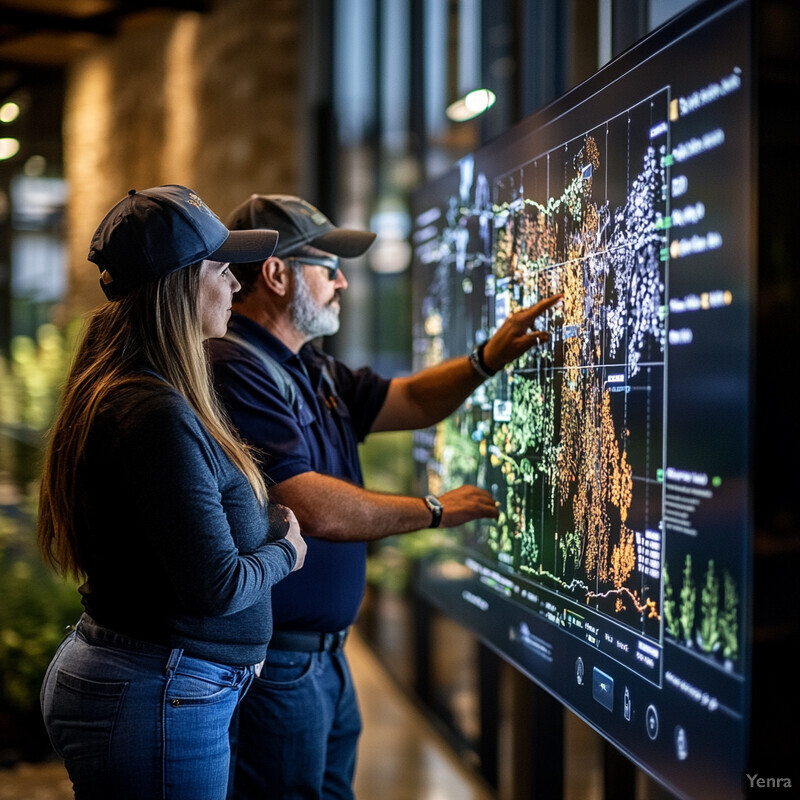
[8, 148]
[9, 111]
[471, 105]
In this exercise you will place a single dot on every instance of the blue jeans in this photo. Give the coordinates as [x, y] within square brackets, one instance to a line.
[135, 721]
[297, 730]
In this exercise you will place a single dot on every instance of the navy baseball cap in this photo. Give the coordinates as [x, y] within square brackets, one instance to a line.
[156, 231]
[298, 223]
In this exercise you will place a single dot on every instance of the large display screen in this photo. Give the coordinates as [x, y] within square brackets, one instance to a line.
[617, 575]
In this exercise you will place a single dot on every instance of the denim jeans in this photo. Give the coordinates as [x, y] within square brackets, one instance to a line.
[297, 730]
[133, 720]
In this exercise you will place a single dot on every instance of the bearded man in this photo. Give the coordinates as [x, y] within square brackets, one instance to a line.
[306, 413]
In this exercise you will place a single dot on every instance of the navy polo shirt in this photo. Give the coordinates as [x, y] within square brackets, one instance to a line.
[315, 428]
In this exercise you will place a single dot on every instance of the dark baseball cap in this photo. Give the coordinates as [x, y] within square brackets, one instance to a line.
[156, 231]
[298, 223]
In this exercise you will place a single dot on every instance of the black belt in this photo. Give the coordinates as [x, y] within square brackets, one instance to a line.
[308, 641]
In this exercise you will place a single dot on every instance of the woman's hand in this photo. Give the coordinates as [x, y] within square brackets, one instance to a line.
[296, 539]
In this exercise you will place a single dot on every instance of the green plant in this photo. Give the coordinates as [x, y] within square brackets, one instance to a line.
[37, 605]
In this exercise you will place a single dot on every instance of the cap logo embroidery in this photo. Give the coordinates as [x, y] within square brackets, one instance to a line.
[195, 201]
[317, 217]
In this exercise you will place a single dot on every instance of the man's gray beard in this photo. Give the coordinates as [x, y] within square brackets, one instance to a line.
[310, 319]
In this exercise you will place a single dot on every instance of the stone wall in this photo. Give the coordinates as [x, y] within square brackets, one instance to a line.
[213, 101]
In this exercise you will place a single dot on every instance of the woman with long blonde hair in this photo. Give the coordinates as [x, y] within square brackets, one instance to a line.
[153, 502]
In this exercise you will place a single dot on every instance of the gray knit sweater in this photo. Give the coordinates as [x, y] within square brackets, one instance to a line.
[176, 545]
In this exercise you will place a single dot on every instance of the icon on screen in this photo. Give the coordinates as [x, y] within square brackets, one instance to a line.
[651, 721]
[681, 743]
[579, 671]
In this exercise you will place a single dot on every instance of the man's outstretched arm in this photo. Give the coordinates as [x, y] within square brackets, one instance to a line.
[430, 395]
[330, 508]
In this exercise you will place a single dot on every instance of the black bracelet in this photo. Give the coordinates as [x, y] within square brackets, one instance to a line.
[478, 364]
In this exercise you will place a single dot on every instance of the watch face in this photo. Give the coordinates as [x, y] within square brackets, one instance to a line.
[435, 508]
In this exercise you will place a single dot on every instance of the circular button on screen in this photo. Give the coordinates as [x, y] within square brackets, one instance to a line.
[651, 721]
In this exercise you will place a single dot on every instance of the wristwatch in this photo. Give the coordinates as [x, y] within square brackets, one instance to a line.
[435, 507]
[478, 364]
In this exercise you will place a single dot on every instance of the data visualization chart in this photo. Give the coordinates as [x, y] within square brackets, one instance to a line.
[617, 451]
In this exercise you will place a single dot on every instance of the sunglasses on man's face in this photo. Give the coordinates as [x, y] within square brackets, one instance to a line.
[331, 263]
